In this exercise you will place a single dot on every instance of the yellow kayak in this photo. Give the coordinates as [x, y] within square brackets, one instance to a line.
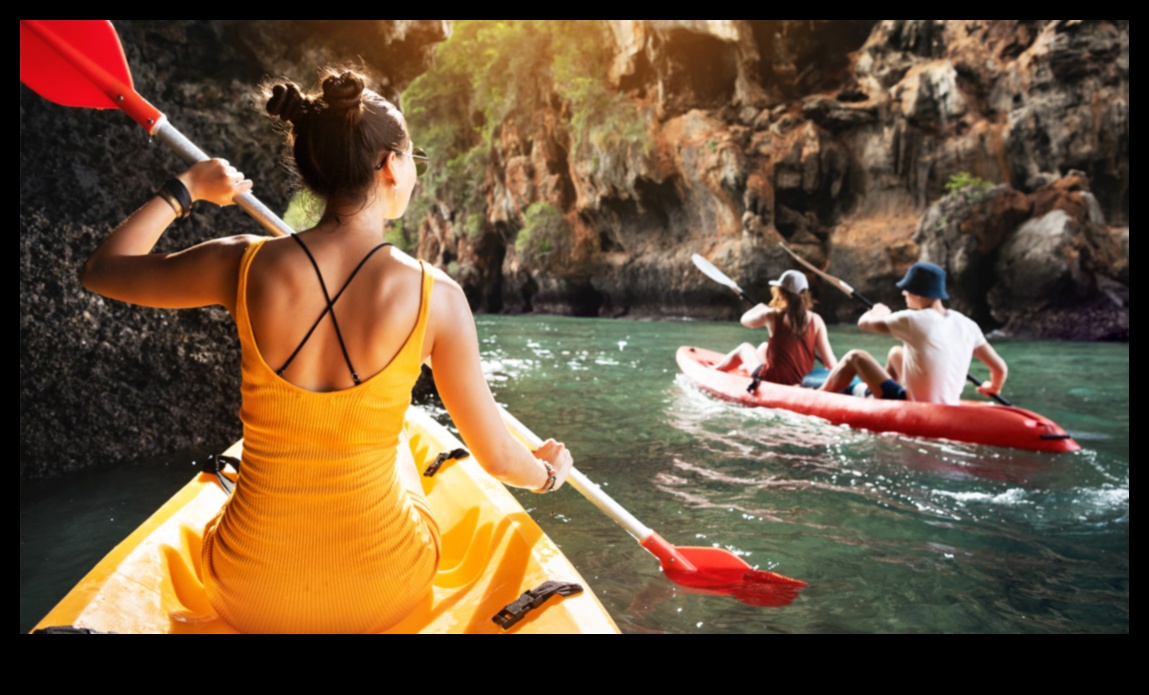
[498, 571]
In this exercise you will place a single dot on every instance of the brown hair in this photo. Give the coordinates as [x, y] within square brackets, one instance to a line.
[338, 135]
[793, 306]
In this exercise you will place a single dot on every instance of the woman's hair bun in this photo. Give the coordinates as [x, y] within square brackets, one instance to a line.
[288, 103]
[338, 133]
[343, 92]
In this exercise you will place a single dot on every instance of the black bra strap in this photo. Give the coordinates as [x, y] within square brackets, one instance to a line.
[329, 308]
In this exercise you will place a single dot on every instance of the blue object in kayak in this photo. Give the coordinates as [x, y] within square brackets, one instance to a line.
[817, 376]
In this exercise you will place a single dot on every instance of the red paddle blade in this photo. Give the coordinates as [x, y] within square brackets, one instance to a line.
[759, 588]
[720, 572]
[49, 72]
[80, 62]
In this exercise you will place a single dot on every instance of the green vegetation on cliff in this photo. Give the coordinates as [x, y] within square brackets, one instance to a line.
[544, 232]
[971, 187]
[303, 211]
[492, 75]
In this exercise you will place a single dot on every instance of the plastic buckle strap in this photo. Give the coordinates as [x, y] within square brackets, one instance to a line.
[533, 598]
[455, 455]
[214, 465]
[755, 378]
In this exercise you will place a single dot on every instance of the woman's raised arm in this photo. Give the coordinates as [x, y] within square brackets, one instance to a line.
[123, 266]
[757, 316]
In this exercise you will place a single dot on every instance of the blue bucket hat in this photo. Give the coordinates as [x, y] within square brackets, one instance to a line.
[925, 280]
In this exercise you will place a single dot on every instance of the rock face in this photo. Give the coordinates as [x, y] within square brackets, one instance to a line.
[837, 137]
[1038, 264]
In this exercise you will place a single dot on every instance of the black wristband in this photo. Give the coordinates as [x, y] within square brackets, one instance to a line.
[170, 200]
[176, 189]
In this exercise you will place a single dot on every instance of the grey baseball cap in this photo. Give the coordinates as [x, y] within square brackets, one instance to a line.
[792, 281]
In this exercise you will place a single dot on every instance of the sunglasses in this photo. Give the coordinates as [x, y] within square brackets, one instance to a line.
[422, 161]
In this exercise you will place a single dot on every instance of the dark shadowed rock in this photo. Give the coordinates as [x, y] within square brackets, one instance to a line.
[1046, 284]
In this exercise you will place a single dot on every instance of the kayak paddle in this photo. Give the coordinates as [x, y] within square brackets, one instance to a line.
[706, 570]
[80, 62]
[718, 276]
[854, 293]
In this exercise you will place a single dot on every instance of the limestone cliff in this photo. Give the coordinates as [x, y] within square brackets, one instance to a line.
[837, 137]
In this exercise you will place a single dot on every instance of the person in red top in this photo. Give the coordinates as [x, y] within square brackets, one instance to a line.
[797, 336]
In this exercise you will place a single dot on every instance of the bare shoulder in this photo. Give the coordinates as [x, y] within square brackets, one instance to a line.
[225, 254]
[448, 296]
[440, 277]
[408, 267]
[406, 260]
[239, 242]
[230, 248]
[450, 323]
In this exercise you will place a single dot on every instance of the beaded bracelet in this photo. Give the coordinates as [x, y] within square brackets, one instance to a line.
[177, 195]
[552, 477]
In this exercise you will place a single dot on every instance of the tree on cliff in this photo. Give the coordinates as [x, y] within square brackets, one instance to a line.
[496, 76]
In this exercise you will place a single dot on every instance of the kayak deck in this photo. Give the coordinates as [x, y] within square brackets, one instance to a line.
[975, 422]
[492, 552]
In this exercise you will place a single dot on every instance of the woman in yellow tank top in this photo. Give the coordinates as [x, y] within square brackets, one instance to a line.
[327, 530]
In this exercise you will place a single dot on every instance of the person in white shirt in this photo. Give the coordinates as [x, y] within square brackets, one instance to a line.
[938, 344]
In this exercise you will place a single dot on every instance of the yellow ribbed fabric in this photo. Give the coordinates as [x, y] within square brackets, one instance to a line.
[320, 534]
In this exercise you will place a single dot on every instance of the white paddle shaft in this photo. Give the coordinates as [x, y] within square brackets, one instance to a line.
[166, 133]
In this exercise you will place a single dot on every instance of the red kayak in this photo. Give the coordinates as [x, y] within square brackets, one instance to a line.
[979, 422]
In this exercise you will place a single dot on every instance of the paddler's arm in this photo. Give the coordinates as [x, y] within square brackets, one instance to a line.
[123, 266]
[874, 320]
[757, 316]
[998, 370]
[453, 346]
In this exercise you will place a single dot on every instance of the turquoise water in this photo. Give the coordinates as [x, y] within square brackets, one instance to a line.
[892, 534]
